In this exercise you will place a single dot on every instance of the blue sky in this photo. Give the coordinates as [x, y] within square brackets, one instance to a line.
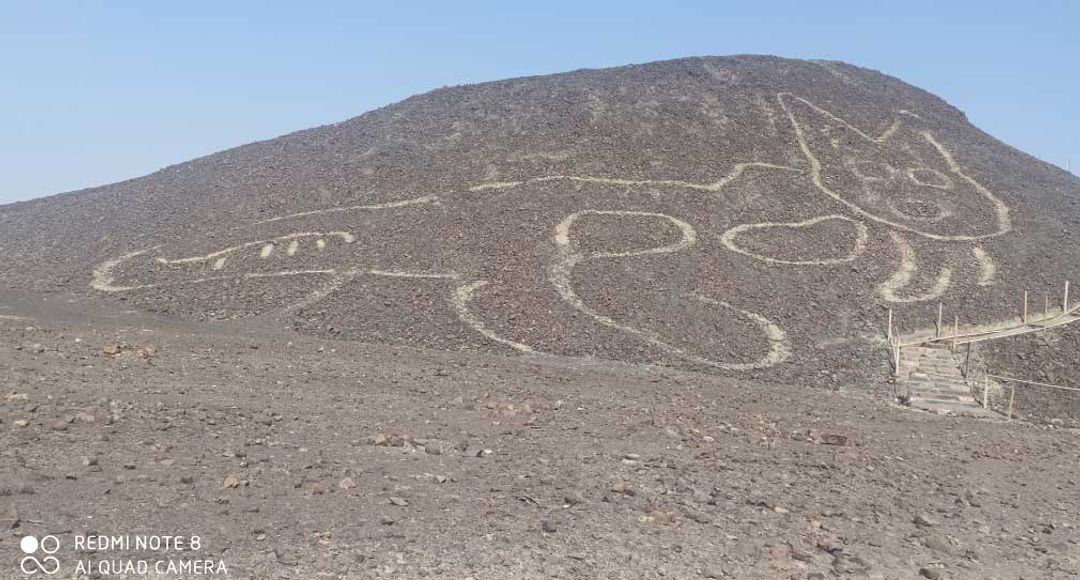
[96, 92]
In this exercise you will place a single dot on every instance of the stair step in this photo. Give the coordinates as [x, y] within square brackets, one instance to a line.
[944, 397]
[946, 401]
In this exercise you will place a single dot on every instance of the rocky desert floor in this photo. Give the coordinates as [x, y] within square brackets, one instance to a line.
[293, 457]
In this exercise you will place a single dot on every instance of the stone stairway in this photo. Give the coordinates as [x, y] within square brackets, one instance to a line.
[931, 379]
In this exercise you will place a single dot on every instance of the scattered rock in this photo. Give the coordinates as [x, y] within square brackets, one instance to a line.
[346, 483]
[387, 440]
[398, 501]
[931, 573]
[829, 438]
[84, 417]
[548, 526]
[923, 521]
[231, 482]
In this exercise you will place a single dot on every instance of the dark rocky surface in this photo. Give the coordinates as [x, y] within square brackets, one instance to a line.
[662, 138]
[1046, 357]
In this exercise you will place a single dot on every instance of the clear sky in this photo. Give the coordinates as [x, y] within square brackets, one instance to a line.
[94, 92]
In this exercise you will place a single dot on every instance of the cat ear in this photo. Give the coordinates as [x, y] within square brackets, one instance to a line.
[823, 135]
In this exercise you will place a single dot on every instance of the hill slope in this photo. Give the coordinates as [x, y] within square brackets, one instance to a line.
[750, 215]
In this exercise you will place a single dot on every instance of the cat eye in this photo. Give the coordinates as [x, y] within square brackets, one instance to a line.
[929, 177]
[871, 170]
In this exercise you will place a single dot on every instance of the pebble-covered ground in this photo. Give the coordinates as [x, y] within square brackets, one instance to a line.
[296, 457]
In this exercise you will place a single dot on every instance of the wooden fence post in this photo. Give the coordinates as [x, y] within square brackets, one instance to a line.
[1012, 397]
[1065, 301]
[939, 319]
[986, 391]
[896, 359]
[889, 332]
[955, 331]
[1025, 306]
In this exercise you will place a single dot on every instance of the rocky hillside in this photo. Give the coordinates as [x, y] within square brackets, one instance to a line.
[746, 215]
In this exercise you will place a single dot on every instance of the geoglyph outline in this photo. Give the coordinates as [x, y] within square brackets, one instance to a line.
[567, 258]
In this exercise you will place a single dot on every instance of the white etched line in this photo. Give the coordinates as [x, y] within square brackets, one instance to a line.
[987, 269]
[388, 205]
[889, 289]
[729, 239]
[461, 298]
[736, 171]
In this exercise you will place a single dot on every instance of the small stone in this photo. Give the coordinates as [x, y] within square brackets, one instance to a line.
[399, 501]
[346, 483]
[187, 479]
[441, 478]
[58, 425]
[473, 451]
[931, 573]
[574, 498]
[384, 440]
[21, 423]
[231, 482]
[386, 520]
[285, 558]
[88, 461]
[548, 526]
[111, 350]
[938, 545]
[833, 439]
[923, 521]
[84, 417]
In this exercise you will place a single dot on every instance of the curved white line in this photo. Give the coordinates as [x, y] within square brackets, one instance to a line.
[862, 234]
[902, 277]
[987, 269]
[461, 298]
[388, 205]
[102, 275]
[689, 236]
[1002, 211]
[268, 246]
[736, 171]
[561, 273]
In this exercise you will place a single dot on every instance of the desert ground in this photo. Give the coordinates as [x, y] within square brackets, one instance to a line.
[298, 457]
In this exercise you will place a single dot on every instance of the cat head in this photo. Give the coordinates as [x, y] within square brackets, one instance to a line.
[903, 178]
